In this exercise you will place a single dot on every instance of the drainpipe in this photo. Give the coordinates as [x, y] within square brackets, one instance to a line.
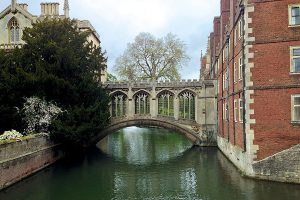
[242, 11]
[227, 89]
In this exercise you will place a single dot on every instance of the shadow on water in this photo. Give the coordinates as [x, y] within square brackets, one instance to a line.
[118, 173]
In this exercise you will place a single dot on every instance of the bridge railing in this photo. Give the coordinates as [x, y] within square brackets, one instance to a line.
[166, 83]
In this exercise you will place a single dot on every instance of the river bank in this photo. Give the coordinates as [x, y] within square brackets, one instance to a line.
[23, 158]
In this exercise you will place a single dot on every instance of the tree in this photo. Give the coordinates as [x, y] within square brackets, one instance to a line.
[151, 58]
[57, 64]
[111, 77]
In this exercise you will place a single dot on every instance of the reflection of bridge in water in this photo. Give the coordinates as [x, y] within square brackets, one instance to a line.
[188, 107]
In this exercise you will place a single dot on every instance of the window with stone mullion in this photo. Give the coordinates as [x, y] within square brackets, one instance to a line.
[187, 106]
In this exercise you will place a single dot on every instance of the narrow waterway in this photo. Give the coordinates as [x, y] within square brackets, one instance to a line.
[147, 163]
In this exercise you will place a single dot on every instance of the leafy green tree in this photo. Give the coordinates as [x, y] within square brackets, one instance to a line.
[58, 64]
[152, 58]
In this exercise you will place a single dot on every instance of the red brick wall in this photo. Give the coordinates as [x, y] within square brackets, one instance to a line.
[271, 74]
[273, 129]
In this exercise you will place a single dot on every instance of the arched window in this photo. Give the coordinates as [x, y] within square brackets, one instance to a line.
[14, 31]
[119, 105]
[166, 104]
[142, 103]
[187, 105]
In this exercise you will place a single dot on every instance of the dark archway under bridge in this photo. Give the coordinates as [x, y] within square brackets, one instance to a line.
[189, 130]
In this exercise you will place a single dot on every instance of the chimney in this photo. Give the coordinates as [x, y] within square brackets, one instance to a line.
[13, 5]
[49, 9]
[66, 8]
[24, 6]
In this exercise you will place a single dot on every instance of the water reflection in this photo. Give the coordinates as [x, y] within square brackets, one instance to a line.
[194, 174]
[144, 146]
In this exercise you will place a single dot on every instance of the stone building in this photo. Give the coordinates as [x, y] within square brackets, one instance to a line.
[254, 53]
[16, 17]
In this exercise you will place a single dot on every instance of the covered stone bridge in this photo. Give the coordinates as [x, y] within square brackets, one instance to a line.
[188, 107]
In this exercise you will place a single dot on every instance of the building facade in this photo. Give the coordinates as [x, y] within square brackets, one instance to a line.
[254, 53]
[16, 17]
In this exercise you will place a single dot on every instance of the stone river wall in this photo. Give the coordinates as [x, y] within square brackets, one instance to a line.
[23, 158]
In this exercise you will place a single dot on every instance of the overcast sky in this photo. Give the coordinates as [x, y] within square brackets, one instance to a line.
[119, 21]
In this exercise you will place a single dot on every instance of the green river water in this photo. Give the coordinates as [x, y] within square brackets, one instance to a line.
[146, 163]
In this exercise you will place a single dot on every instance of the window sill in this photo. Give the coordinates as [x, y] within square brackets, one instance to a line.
[294, 26]
[295, 123]
[294, 73]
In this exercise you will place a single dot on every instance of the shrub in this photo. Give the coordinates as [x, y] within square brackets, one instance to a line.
[38, 114]
[11, 135]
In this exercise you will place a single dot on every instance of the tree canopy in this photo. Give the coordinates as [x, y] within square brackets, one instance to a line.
[152, 58]
[57, 64]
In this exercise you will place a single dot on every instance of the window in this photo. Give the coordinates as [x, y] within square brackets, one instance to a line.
[226, 111]
[240, 68]
[14, 31]
[228, 48]
[223, 81]
[295, 59]
[241, 114]
[235, 35]
[119, 105]
[235, 72]
[187, 105]
[226, 79]
[166, 104]
[142, 103]
[294, 15]
[296, 108]
[235, 110]
[240, 28]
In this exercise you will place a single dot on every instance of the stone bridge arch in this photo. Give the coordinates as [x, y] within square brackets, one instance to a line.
[190, 134]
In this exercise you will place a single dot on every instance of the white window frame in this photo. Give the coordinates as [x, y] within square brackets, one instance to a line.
[235, 110]
[223, 111]
[226, 79]
[223, 81]
[240, 110]
[293, 107]
[292, 70]
[235, 73]
[241, 68]
[240, 28]
[290, 14]
[235, 35]
[228, 47]
[226, 111]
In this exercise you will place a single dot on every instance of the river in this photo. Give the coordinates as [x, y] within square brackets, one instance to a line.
[146, 163]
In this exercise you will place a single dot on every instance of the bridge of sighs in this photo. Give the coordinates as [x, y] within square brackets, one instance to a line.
[188, 107]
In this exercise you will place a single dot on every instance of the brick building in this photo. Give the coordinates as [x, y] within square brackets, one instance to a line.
[254, 53]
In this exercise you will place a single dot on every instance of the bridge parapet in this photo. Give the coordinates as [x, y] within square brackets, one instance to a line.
[148, 83]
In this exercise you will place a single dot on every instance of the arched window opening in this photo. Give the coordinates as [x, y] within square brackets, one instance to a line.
[187, 105]
[119, 105]
[142, 103]
[166, 104]
[14, 31]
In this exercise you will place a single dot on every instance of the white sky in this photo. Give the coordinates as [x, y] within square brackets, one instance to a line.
[119, 21]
